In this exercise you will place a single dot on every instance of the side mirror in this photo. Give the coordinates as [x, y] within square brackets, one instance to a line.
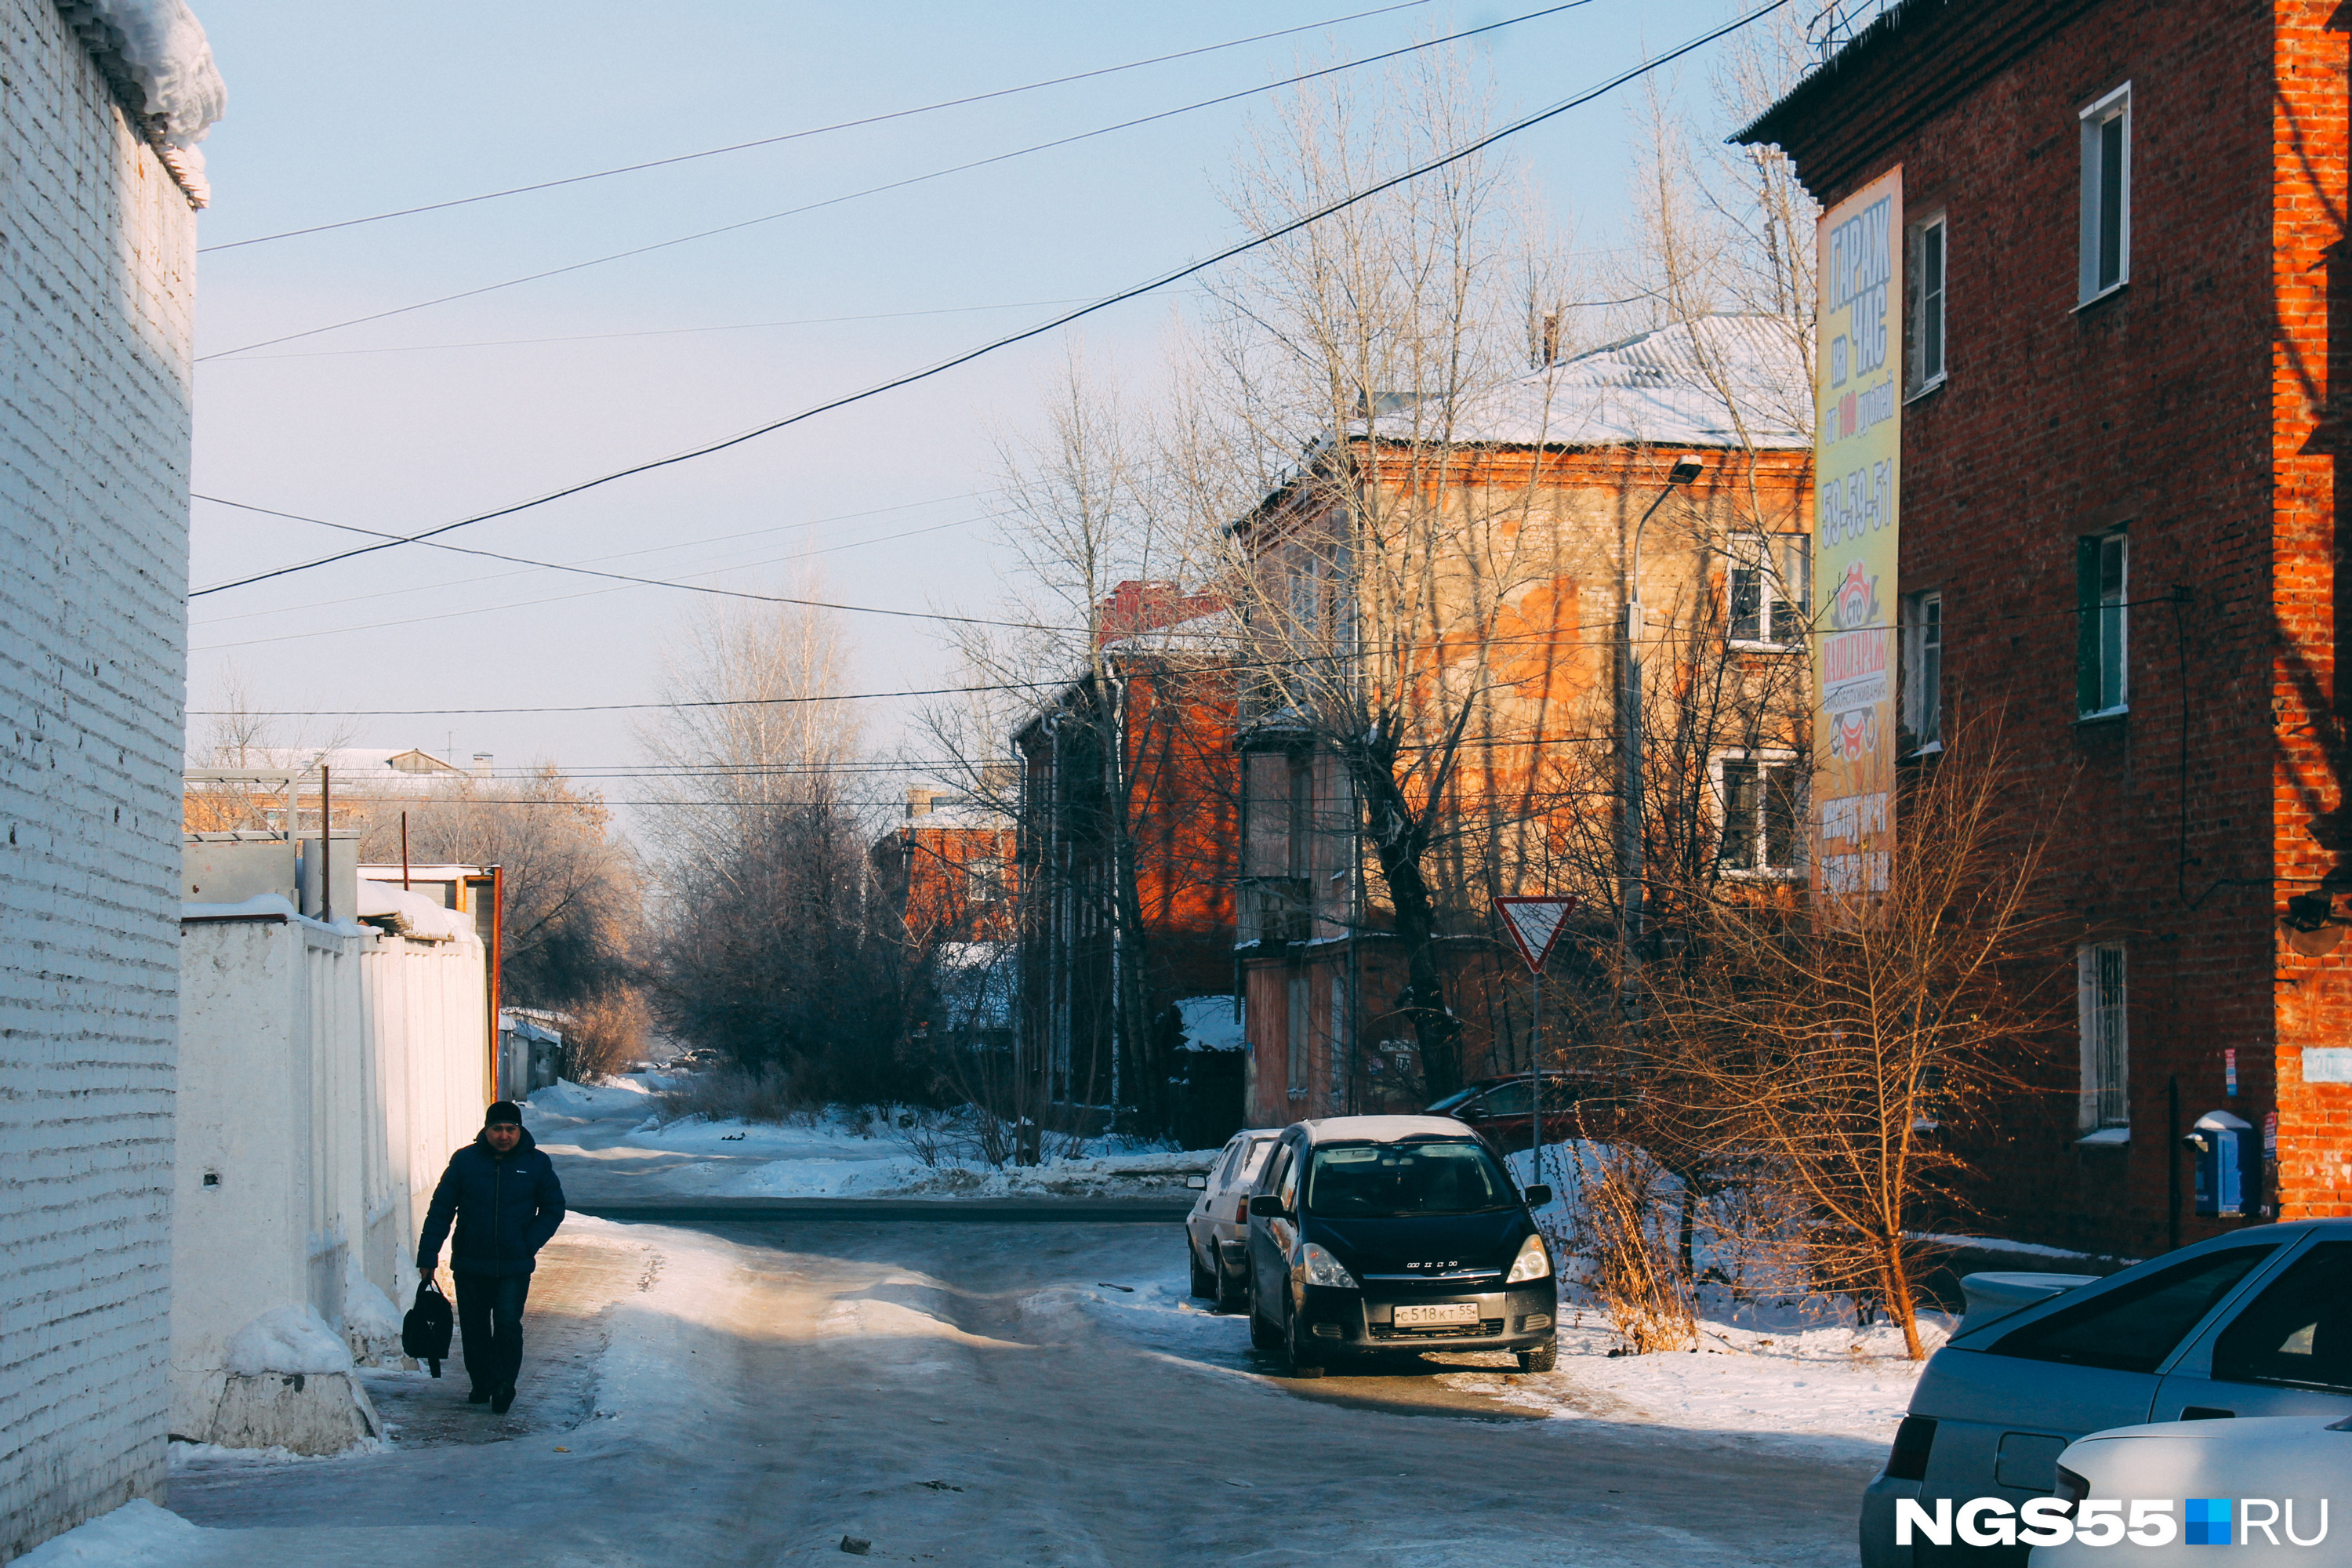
[1267, 1206]
[1197, 1184]
[1469, 1113]
[1537, 1196]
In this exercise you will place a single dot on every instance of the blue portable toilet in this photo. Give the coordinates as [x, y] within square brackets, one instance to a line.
[2226, 1171]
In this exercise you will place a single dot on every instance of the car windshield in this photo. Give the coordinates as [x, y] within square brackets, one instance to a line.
[1449, 1102]
[1400, 1181]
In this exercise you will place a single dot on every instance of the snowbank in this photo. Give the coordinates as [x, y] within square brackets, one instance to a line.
[621, 1097]
[288, 1340]
[137, 1535]
[1210, 1024]
[410, 913]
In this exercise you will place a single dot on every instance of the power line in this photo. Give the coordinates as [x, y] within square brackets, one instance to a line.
[798, 135]
[1057, 323]
[888, 185]
[536, 565]
[1533, 639]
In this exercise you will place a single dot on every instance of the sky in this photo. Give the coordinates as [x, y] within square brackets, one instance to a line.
[415, 420]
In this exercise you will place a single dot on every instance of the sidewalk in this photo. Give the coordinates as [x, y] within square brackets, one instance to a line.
[565, 1327]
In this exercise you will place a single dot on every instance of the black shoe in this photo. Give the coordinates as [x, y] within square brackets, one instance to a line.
[478, 1396]
[502, 1401]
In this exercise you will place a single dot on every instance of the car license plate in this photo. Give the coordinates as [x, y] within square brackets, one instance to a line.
[1437, 1313]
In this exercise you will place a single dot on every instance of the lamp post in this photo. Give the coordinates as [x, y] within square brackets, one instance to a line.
[1630, 868]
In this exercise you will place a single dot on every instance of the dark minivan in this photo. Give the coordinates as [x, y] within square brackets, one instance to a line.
[1381, 1235]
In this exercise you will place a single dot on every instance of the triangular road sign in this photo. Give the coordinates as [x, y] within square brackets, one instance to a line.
[1534, 924]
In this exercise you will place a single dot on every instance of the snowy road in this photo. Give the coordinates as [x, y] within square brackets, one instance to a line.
[984, 1393]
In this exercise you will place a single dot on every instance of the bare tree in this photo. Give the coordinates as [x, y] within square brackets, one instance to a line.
[1847, 1043]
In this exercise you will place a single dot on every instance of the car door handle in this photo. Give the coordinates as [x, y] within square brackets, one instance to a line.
[2207, 1412]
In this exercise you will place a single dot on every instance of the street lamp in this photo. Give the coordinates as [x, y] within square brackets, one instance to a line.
[1630, 868]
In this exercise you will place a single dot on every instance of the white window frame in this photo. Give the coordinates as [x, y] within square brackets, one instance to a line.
[1764, 757]
[1922, 676]
[2105, 1019]
[1768, 556]
[983, 879]
[1918, 319]
[2114, 108]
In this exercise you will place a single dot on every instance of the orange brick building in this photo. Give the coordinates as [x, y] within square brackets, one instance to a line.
[1540, 501]
[2122, 497]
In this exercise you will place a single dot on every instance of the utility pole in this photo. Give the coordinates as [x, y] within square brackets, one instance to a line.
[1631, 870]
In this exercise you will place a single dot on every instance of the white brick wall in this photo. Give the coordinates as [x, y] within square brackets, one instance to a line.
[97, 266]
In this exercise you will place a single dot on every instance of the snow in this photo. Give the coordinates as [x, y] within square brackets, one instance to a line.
[1995, 1244]
[288, 1339]
[1210, 1024]
[368, 1313]
[259, 904]
[164, 48]
[412, 914]
[137, 1535]
[1386, 1129]
[608, 1149]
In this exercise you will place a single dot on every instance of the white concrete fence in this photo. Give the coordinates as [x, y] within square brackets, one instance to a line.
[326, 1074]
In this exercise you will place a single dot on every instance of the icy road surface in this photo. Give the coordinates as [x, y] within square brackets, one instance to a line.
[983, 1393]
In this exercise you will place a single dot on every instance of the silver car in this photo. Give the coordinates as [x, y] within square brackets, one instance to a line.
[2257, 1323]
[1216, 1233]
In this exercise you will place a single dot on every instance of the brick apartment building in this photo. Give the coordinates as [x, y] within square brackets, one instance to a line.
[1134, 761]
[2121, 522]
[1550, 490]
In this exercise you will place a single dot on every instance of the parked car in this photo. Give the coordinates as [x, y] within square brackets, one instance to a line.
[2269, 1472]
[1216, 1233]
[2254, 1324]
[1502, 1110]
[1387, 1234]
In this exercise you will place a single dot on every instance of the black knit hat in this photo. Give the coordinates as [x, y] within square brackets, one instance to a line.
[501, 1111]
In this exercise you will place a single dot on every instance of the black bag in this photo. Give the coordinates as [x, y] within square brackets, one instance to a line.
[424, 1333]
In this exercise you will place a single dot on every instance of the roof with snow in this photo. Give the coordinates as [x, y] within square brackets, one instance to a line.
[1720, 381]
[154, 55]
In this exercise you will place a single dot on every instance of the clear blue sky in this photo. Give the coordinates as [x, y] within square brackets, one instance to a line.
[336, 111]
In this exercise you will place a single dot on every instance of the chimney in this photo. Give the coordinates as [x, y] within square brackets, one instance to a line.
[1551, 339]
[918, 800]
[482, 761]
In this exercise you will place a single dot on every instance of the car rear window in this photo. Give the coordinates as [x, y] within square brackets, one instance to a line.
[2133, 1327]
[1396, 1181]
[2299, 1329]
[1255, 1161]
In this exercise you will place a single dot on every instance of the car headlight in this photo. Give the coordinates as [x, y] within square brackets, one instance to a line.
[1322, 1269]
[1534, 1262]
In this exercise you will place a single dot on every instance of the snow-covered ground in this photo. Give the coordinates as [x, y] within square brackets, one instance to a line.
[611, 1145]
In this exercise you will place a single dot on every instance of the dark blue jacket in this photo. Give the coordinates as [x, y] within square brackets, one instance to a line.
[505, 1206]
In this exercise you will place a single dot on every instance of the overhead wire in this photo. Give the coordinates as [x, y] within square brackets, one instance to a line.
[1177, 275]
[813, 130]
[880, 189]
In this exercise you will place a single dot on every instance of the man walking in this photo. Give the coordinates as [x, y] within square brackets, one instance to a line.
[503, 1193]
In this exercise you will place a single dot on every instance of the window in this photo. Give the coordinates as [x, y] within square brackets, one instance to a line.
[1771, 584]
[1299, 1023]
[1406, 1180]
[2133, 1327]
[1302, 817]
[1761, 795]
[2102, 638]
[2106, 195]
[1924, 365]
[2106, 1054]
[1923, 672]
[2299, 1329]
[984, 880]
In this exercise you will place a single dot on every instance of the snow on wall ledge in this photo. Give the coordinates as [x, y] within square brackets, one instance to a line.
[155, 56]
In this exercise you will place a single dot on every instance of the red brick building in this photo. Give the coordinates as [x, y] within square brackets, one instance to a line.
[1127, 781]
[2121, 522]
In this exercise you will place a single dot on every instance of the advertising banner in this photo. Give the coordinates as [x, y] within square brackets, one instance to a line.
[1858, 456]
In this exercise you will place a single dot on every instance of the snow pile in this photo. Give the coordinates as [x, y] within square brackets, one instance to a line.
[137, 1535]
[288, 1340]
[259, 904]
[162, 49]
[370, 1319]
[411, 913]
[620, 1097]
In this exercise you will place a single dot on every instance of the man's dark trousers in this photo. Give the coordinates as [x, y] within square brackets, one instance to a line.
[489, 1325]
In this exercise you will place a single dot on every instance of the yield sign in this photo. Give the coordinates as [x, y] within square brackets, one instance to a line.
[1534, 924]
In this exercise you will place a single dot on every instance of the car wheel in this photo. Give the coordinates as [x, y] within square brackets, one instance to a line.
[1299, 1365]
[1204, 1281]
[1543, 1358]
[1232, 1295]
[1262, 1334]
